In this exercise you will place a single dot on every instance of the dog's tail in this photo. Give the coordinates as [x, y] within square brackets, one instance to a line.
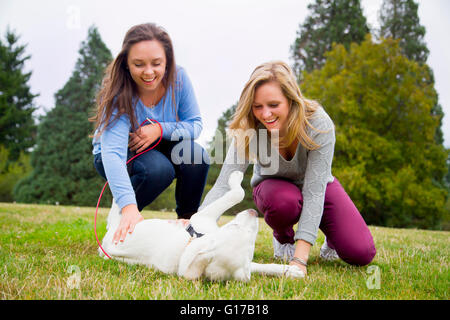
[114, 216]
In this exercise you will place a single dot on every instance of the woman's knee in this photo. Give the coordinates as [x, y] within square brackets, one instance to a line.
[191, 163]
[360, 254]
[346, 228]
[277, 202]
[154, 167]
[284, 206]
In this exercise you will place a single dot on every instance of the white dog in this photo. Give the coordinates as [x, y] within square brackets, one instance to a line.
[202, 250]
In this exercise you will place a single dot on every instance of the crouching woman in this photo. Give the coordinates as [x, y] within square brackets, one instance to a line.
[300, 188]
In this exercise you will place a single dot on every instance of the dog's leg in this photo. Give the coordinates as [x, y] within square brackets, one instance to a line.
[114, 216]
[236, 194]
[112, 222]
[273, 269]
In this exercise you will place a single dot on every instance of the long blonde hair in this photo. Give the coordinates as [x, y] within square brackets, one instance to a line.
[300, 110]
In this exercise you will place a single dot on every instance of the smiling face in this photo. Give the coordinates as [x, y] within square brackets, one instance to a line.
[147, 64]
[271, 107]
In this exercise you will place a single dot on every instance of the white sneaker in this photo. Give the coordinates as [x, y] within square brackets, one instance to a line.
[283, 251]
[328, 254]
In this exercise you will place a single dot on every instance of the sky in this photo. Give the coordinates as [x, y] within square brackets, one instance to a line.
[219, 43]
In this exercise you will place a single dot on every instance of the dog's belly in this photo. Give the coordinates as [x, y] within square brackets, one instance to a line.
[154, 242]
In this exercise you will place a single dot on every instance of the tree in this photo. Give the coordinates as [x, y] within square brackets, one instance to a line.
[63, 171]
[399, 20]
[385, 154]
[11, 172]
[330, 21]
[16, 100]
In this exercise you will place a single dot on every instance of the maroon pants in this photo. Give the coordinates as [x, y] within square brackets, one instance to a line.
[281, 203]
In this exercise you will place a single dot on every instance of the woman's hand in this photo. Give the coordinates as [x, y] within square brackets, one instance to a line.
[130, 217]
[144, 137]
[302, 249]
[298, 265]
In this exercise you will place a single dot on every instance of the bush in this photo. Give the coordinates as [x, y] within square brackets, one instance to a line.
[11, 172]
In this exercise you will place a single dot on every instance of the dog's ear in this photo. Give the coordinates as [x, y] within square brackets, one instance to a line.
[195, 258]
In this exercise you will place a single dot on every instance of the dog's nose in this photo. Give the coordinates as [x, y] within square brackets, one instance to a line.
[253, 212]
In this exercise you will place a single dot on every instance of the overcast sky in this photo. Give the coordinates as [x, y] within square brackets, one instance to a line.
[219, 43]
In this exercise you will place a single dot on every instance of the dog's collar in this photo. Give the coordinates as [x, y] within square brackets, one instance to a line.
[193, 233]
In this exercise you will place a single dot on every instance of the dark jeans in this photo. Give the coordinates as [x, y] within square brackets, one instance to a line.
[152, 172]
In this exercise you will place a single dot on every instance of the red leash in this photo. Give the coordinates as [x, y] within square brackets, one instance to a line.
[104, 187]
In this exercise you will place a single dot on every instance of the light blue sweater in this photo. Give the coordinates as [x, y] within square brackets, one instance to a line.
[113, 143]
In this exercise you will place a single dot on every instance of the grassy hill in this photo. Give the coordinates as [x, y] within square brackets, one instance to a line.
[50, 252]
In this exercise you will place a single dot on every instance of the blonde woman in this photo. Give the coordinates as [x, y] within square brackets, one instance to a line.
[302, 189]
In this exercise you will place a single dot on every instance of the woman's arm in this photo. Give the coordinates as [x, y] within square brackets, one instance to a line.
[189, 124]
[144, 137]
[130, 217]
[114, 149]
[114, 143]
[302, 249]
[317, 176]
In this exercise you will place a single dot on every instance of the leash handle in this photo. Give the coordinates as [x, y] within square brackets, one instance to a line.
[104, 187]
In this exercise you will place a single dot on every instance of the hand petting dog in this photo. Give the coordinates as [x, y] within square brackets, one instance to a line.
[130, 217]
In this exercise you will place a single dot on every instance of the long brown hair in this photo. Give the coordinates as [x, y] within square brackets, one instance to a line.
[301, 109]
[118, 88]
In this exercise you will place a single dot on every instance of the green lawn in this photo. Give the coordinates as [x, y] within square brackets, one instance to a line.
[50, 252]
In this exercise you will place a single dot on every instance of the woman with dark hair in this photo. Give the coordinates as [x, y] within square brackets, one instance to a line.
[143, 82]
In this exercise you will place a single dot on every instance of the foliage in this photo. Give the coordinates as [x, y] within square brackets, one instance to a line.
[385, 154]
[399, 20]
[16, 101]
[329, 21]
[11, 172]
[63, 170]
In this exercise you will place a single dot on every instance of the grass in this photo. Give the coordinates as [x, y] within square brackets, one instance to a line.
[50, 252]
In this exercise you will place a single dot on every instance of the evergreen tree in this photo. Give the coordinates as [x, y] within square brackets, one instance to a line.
[11, 172]
[385, 154]
[339, 21]
[63, 171]
[17, 125]
[399, 20]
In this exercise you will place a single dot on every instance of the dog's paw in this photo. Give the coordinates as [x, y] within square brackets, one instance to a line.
[102, 254]
[235, 179]
[294, 272]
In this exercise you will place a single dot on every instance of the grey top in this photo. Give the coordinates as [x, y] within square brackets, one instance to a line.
[309, 170]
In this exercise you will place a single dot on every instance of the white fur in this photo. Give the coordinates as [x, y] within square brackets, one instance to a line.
[222, 253]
